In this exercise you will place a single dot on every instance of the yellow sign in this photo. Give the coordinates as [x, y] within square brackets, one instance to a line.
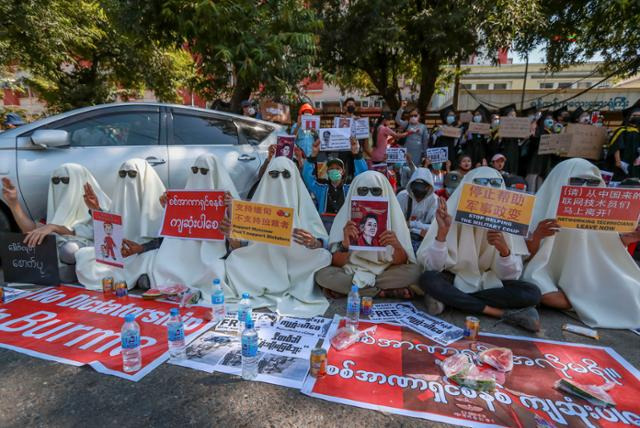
[269, 224]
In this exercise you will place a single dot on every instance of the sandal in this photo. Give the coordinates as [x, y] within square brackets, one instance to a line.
[332, 294]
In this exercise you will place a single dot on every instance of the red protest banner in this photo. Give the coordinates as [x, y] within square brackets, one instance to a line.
[74, 326]
[599, 208]
[397, 370]
[193, 214]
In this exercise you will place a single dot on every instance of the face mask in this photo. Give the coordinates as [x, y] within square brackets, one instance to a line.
[598, 124]
[584, 120]
[437, 166]
[413, 120]
[495, 123]
[351, 109]
[477, 118]
[419, 191]
[251, 111]
[450, 119]
[334, 175]
[548, 123]
[558, 128]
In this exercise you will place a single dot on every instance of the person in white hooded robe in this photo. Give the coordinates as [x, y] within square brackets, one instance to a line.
[137, 199]
[389, 273]
[476, 270]
[419, 204]
[199, 262]
[68, 217]
[277, 277]
[588, 271]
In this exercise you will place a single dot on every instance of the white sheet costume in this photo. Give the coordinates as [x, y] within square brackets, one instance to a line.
[195, 263]
[137, 200]
[276, 277]
[593, 269]
[365, 266]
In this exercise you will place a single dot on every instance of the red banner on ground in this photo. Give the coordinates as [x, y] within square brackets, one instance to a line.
[74, 326]
[193, 214]
[396, 370]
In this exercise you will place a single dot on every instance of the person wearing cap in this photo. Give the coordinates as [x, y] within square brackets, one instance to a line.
[417, 139]
[12, 120]
[330, 194]
[304, 137]
[448, 116]
[475, 145]
[623, 150]
[580, 116]
[498, 162]
[248, 109]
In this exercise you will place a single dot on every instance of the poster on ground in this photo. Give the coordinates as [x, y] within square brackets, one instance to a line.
[193, 214]
[269, 224]
[610, 209]
[335, 139]
[107, 238]
[369, 213]
[396, 370]
[495, 209]
[31, 265]
[74, 326]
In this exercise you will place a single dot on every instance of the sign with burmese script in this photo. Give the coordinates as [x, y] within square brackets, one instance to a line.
[270, 224]
[193, 214]
[33, 265]
[496, 209]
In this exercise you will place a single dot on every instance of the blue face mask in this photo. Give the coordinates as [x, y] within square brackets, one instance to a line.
[450, 120]
[548, 123]
[437, 166]
[334, 175]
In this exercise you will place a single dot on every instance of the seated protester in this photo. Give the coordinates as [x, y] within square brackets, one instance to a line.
[465, 164]
[498, 162]
[199, 262]
[475, 145]
[448, 116]
[476, 270]
[68, 217]
[137, 199]
[451, 182]
[589, 271]
[281, 278]
[374, 272]
[330, 194]
[417, 140]
[304, 138]
[419, 203]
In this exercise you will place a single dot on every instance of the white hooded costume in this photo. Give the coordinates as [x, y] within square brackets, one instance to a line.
[195, 263]
[593, 269]
[477, 265]
[365, 266]
[276, 277]
[137, 200]
[422, 212]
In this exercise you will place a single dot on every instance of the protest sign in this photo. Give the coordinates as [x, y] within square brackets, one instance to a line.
[293, 344]
[586, 141]
[451, 131]
[466, 117]
[9, 294]
[33, 265]
[553, 144]
[396, 155]
[316, 326]
[342, 122]
[335, 139]
[321, 170]
[514, 127]
[495, 209]
[269, 224]
[369, 213]
[107, 238]
[390, 311]
[231, 325]
[361, 128]
[434, 328]
[74, 326]
[284, 146]
[310, 122]
[480, 128]
[193, 214]
[438, 154]
[396, 370]
[275, 112]
[599, 208]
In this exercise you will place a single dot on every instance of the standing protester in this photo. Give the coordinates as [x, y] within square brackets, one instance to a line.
[448, 116]
[528, 148]
[381, 134]
[417, 139]
[304, 138]
[540, 165]
[623, 154]
[12, 120]
[510, 147]
[475, 145]
[419, 203]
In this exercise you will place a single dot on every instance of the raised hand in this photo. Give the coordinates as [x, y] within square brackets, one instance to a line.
[9, 192]
[90, 198]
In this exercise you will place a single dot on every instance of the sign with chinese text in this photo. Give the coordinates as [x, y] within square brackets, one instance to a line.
[599, 208]
[496, 209]
[193, 214]
[269, 224]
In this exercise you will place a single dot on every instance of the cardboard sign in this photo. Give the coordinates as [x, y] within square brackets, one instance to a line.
[369, 213]
[107, 238]
[480, 128]
[553, 144]
[193, 214]
[342, 122]
[438, 154]
[599, 208]
[77, 327]
[32, 265]
[310, 122]
[495, 209]
[586, 141]
[514, 127]
[269, 224]
[285, 146]
[451, 131]
[466, 117]
[335, 139]
[361, 128]
[396, 155]
[275, 112]
[396, 370]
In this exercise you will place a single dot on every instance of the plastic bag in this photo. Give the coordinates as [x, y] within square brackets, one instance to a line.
[500, 359]
[594, 394]
[462, 371]
[346, 337]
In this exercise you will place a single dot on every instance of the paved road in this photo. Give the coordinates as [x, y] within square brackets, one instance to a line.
[35, 392]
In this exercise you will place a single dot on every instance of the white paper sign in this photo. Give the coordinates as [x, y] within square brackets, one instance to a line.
[391, 311]
[361, 128]
[438, 154]
[286, 343]
[316, 326]
[342, 122]
[396, 155]
[335, 139]
[310, 122]
[107, 238]
[434, 328]
[231, 324]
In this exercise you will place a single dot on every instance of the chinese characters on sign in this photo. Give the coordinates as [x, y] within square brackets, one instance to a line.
[269, 224]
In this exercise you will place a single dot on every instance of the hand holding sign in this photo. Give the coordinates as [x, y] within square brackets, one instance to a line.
[36, 236]
[129, 248]
[496, 239]
[350, 233]
[304, 238]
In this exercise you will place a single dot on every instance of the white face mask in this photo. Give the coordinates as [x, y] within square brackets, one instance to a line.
[495, 123]
[413, 120]
[251, 111]
[477, 118]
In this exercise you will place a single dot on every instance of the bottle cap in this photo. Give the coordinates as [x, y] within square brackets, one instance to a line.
[245, 295]
[216, 281]
[354, 288]
[174, 312]
[248, 323]
[129, 317]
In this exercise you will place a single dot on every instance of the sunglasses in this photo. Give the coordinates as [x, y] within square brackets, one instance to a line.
[577, 181]
[203, 171]
[275, 173]
[493, 182]
[375, 191]
[58, 180]
[132, 174]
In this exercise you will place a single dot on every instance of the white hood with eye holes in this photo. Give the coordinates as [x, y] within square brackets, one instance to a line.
[422, 212]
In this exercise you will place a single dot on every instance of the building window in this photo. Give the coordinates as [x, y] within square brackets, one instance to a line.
[546, 85]
[480, 86]
[564, 85]
[378, 103]
[317, 105]
[364, 103]
[467, 86]
[500, 86]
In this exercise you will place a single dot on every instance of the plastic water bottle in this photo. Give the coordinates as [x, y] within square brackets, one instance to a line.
[130, 337]
[175, 333]
[353, 309]
[217, 302]
[249, 350]
[244, 310]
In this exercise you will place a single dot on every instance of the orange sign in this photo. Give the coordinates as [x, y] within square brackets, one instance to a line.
[269, 224]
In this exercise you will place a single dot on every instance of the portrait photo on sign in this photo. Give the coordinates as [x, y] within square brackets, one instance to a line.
[285, 146]
[396, 155]
[369, 213]
[342, 122]
[310, 122]
[335, 139]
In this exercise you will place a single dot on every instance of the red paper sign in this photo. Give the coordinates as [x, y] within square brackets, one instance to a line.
[397, 370]
[193, 214]
[74, 326]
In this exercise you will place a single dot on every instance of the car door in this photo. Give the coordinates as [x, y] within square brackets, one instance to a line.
[192, 133]
[100, 140]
